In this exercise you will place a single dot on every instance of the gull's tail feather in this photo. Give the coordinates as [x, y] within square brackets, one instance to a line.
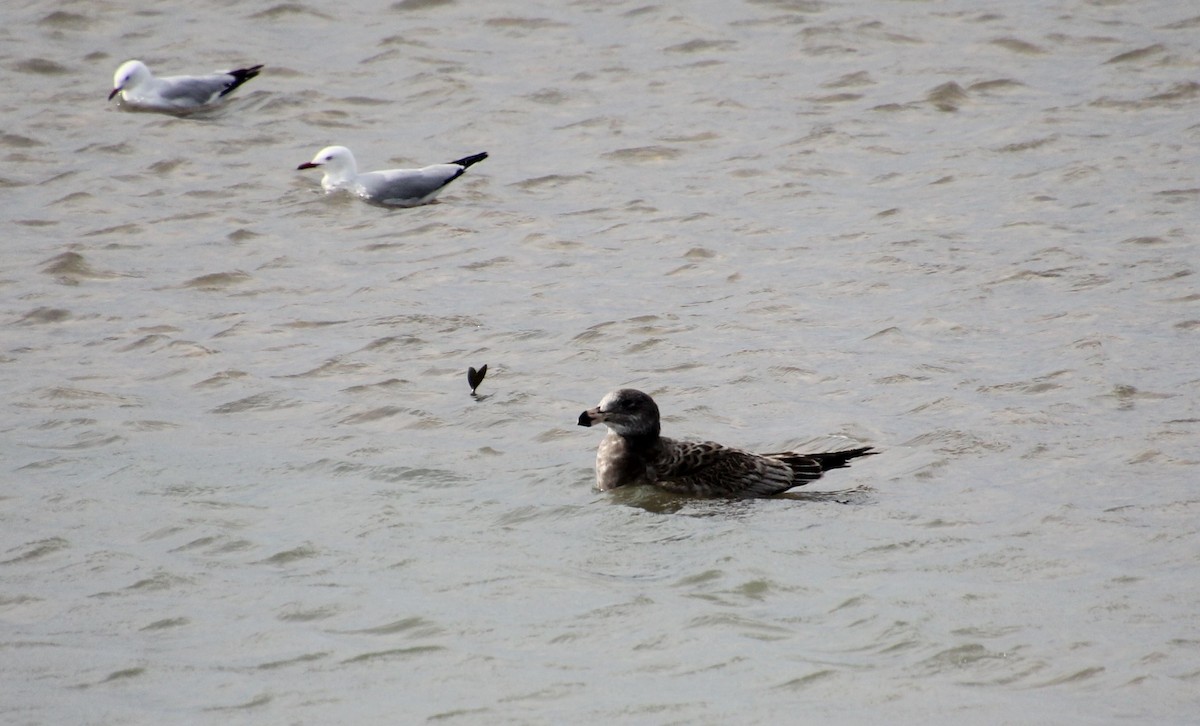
[810, 467]
[840, 459]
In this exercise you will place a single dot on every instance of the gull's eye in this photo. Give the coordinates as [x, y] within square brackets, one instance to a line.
[329, 158]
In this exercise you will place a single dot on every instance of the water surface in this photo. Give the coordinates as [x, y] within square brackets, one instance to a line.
[246, 481]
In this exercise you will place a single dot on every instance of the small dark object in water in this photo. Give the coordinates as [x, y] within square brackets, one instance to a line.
[475, 377]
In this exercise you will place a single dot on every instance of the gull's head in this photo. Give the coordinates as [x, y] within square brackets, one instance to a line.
[626, 412]
[338, 164]
[332, 159]
[129, 75]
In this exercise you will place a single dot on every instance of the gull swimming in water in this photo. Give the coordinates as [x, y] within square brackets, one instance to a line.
[140, 90]
[392, 187]
[633, 452]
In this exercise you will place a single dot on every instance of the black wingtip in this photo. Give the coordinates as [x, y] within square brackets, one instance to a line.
[240, 76]
[469, 160]
[475, 377]
[840, 459]
[247, 73]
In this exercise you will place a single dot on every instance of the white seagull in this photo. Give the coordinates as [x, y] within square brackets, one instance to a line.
[140, 90]
[634, 452]
[392, 187]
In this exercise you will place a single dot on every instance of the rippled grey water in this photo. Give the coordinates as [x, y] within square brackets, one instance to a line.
[245, 482]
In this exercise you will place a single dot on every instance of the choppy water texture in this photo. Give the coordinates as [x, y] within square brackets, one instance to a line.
[245, 481]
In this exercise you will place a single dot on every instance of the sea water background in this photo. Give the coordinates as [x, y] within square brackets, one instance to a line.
[244, 481]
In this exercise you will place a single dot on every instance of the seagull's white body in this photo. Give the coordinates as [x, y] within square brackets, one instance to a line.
[139, 89]
[392, 187]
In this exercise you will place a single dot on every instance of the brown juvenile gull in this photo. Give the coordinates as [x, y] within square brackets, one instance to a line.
[633, 452]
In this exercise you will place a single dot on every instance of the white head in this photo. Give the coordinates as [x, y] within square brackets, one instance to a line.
[130, 75]
[338, 164]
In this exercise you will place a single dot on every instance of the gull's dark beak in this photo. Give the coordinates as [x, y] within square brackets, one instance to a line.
[114, 92]
[307, 165]
[590, 416]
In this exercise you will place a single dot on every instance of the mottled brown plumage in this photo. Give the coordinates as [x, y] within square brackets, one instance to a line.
[634, 452]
